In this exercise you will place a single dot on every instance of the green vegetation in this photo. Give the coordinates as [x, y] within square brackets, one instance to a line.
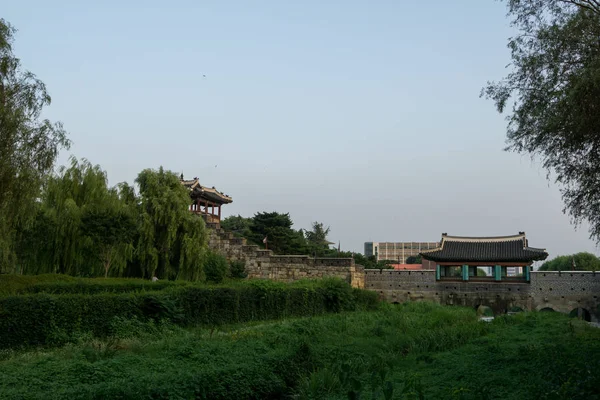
[412, 351]
[281, 237]
[82, 227]
[216, 267]
[29, 144]
[579, 262]
[371, 262]
[55, 313]
[555, 88]
[414, 260]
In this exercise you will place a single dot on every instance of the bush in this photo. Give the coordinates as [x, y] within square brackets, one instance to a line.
[43, 318]
[237, 270]
[13, 284]
[215, 267]
[64, 284]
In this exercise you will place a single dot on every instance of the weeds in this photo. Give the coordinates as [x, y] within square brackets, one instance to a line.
[420, 351]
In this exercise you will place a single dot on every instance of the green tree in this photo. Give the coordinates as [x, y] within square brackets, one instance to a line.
[317, 239]
[28, 145]
[216, 267]
[238, 225]
[371, 262]
[583, 262]
[277, 228]
[414, 259]
[111, 229]
[555, 91]
[55, 242]
[172, 241]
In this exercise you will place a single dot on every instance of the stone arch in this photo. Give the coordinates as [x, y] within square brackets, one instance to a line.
[516, 309]
[581, 313]
[547, 309]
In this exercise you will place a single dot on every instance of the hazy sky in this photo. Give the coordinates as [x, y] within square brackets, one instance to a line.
[363, 115]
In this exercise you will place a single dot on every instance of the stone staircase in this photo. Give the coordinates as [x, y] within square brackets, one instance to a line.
[263, 264]
[232, 247]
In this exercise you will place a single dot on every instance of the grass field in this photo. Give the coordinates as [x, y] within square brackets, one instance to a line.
[413, 351]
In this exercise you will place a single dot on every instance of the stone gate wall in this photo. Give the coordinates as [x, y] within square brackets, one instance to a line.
[263, 264]
[562, 291]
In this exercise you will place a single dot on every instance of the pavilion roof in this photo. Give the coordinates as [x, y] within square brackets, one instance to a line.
[513, 248]
[197, 191]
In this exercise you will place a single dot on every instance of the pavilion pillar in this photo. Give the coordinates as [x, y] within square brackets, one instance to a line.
[438, 272]
[219, 208]
[497, 272]
[526, 272]
[465, 272]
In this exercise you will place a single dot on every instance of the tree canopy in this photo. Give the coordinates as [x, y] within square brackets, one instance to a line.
[413, 259]
[64, 236]
[29, 144]
[554, 87]
[579, 262]
[172, 241]
[316, 239]
[281, 237]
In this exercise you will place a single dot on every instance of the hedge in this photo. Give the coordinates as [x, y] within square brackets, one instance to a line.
[51, 319]
[64, 284]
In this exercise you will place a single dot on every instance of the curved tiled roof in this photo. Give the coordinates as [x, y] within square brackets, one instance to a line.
[513, 248]
[210, 194]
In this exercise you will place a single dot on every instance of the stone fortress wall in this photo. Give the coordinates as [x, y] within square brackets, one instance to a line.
[263, 264]
[560, 291]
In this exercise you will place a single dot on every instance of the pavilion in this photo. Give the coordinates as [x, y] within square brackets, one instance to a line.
[206, 201]
[484, 258]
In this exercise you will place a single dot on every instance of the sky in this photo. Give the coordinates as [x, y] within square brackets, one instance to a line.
[363, 115]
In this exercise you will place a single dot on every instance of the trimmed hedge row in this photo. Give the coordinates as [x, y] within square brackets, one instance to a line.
[51, 319]
[96, 286]
[64, 284]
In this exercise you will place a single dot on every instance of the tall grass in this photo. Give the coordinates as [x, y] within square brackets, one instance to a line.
[413, 351]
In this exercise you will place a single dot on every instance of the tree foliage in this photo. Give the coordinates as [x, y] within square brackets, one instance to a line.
[555, 91]
[111, 229]
[59, 241]
[316, 239]
[29, 144]
[414, 259]
[238, 225]
[277, 228]
[579, 262]
[216, 267]
[172, 241]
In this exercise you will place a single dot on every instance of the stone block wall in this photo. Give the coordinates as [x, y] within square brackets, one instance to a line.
[263, 264]
[566, 291]
[561, 292]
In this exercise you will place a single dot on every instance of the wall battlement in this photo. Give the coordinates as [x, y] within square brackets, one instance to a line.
[560, 291]
[263, 264]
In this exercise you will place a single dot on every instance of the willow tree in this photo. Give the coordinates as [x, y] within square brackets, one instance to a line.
[28, 144]
[81, 227]
[172, 241]
[554, 91]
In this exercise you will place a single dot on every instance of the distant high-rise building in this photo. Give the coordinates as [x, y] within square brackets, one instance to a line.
[397, 251]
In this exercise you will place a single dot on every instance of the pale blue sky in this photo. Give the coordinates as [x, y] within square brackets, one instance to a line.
[363, 115]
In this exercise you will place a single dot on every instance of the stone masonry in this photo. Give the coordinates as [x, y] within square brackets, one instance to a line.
[263, 264]
[560, 291]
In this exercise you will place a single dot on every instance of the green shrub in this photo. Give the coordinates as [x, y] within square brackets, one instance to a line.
[101, 285]
[215, 267]
[13, 284]
[237, 270]
[44, 318]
